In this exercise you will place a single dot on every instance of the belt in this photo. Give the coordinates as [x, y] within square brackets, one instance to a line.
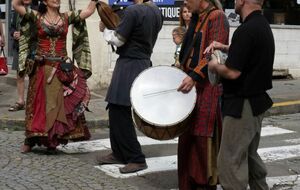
[50, 58]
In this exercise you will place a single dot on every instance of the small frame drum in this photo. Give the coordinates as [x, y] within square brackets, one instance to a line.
[158, 109]
[221, 57]
[108, 16]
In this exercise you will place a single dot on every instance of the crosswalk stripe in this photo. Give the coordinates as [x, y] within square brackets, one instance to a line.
[279, 153]
[155, 164]
[281, 182]
[291, 180]
[104, 144]
[293, 141]
[269, 130]
[167, 163]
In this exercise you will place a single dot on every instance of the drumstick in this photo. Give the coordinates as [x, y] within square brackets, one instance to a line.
[160, 92]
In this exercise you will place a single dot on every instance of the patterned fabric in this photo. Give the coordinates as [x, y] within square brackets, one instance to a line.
[215, 28]
[80, 46]
[54, 114]
[198, 147]
[197, 160]
[26, 40]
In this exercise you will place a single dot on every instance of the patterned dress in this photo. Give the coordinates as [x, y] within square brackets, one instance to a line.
[54, 111]
[198, 147]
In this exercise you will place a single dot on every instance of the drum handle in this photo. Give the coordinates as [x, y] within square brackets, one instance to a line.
[159, 92]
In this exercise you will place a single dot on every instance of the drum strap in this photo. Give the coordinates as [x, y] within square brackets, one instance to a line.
[198, 29]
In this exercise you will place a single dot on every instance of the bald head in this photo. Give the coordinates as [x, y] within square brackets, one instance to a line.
[245, 7]
[258, 2]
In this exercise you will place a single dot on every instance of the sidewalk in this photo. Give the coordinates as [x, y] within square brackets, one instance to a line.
[285, 94]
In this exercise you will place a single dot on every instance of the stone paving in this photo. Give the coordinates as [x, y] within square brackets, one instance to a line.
[37, 170]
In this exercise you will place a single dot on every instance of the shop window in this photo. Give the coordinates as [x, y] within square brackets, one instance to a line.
[283, 12]
[2, 9]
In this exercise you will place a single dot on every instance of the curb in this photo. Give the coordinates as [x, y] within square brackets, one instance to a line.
[17, 124]
[283, 109]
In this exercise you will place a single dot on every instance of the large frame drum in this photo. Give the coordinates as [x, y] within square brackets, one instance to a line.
[158, 109]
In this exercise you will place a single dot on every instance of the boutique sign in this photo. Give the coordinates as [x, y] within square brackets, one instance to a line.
[169, 8]
[171, 12]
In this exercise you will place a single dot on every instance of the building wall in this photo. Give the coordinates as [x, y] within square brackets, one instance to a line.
[287, 39]
[287, 54]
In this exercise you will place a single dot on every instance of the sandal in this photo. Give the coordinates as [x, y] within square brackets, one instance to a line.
[17, 107]
[25, 149]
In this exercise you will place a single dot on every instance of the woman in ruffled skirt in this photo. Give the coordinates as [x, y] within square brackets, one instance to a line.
[56, 99]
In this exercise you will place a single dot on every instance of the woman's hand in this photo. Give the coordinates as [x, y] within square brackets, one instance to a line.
[16, 35]
[85, 13]
[186, 85]
[19, 7]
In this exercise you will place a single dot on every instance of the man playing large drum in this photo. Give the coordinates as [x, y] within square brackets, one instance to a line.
[198, 147]
[135, 37]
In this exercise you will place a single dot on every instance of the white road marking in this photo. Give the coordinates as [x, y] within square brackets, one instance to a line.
[282, 182]
[155, 164]
[293, 141]
[269, 130]
[104, 144]
[279, 153]
[167, 163]
[290, 180]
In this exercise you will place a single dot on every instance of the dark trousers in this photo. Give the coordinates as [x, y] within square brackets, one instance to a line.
[123, 139]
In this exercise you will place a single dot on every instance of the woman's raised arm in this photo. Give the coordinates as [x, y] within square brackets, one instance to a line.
[19, 8]
[85, 13]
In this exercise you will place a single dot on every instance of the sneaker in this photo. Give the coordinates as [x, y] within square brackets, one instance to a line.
[133, 167]
[108, 159]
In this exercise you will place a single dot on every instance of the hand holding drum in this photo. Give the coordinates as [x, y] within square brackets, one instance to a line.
[220, 57]
[218, 54]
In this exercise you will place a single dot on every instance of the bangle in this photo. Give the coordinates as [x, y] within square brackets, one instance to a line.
[96, 1]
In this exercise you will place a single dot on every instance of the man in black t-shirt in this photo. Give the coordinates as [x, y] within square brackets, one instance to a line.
[135, 37]
[246, 76]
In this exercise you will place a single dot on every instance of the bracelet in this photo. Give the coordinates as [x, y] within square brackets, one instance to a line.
[96, 1]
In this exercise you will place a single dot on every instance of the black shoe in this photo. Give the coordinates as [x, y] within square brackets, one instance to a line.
[51, 151]
[133, 167]
[108, 159]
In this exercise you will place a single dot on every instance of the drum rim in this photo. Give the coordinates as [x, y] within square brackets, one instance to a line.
[155, 124]
[214, 78]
